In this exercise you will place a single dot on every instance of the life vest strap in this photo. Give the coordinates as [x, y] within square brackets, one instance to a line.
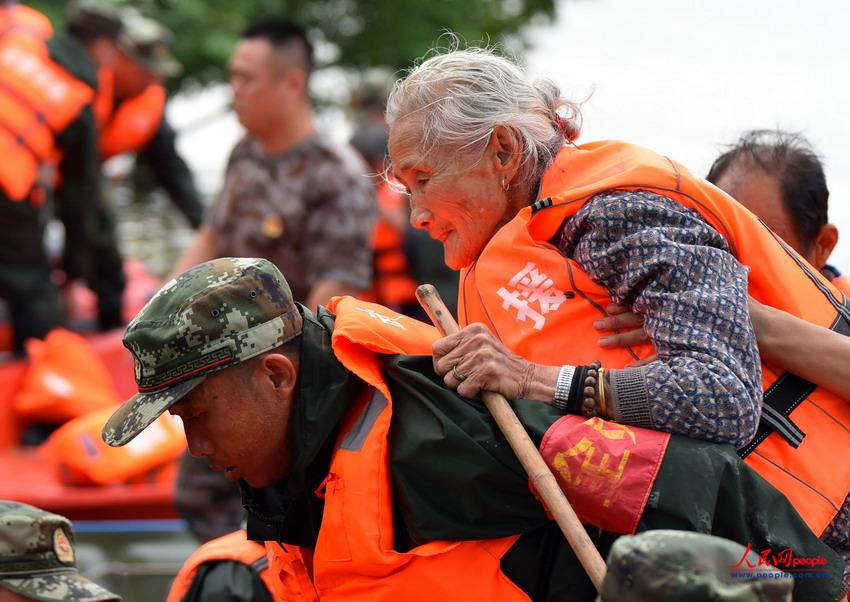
[783, 397]
[541, 204]
[39, 119]
[260, 564]
[356, 437]
[841, 307]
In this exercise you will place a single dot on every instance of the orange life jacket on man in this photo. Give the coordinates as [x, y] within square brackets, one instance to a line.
[38, 99]
[20, 18]
[133, 124]
[543, 305]
[842, 283]
[392, 284]
[354, 557]
[234, 546]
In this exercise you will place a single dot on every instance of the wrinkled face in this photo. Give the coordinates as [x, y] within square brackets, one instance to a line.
[239, 425]
[458, 199]
[761, 193]
[131, 77]
[261, 92]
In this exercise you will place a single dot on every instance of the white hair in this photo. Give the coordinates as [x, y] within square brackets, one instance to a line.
[462, 95]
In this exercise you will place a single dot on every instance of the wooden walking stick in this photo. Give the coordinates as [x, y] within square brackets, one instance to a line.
[525, 450]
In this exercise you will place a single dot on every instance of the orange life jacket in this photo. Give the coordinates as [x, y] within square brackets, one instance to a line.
[132, 125]
[38, 99]
[542, 306]
[65, 379]
[842, 283]
[20, 18]
[354, 557]
[392, 284]
[290, 572]
[84, 459]
[234, 546]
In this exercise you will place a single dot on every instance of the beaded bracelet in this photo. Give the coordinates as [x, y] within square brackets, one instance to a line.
[594, 402]
[588, 404]
[581, 390]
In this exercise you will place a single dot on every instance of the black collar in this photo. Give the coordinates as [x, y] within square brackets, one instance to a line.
[288, 511]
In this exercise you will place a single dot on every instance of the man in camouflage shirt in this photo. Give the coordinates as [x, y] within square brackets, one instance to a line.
[290, 195]
[37, 558]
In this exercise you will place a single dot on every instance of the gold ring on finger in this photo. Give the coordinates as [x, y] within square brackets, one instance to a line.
[457, 374]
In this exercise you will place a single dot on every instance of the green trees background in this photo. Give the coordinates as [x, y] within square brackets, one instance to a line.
[350, 33]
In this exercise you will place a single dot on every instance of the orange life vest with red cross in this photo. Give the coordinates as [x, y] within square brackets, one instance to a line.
[543, 305]
[354, 557]
[20, 18]
[38, 99]
[234, 546]
[133, 124]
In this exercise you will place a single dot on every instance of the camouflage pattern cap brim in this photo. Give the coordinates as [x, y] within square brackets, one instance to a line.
[60, 586]
[139, 412]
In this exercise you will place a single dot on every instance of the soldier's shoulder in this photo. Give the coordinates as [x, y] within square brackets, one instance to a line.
[246, 149]
[339, 154]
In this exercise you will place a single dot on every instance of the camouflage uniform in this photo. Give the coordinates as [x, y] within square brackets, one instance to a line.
[37, 559]
[309, 211]
[659, 566]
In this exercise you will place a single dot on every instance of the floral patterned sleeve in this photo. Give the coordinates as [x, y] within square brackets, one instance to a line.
[671, 267]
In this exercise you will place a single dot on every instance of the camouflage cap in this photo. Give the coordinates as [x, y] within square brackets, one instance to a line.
[214, 315]
[93, 18]
[37, 559]
[662, 565]
[147, 42]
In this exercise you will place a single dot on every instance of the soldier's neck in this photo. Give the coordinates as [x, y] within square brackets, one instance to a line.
[289, 133]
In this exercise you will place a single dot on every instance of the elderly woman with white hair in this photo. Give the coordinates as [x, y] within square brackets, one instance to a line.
[549, 234]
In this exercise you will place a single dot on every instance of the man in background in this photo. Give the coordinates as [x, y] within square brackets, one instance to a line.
[49, 147]
[290, 195]
[779, 177]
[136, 120]
[130, 115]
